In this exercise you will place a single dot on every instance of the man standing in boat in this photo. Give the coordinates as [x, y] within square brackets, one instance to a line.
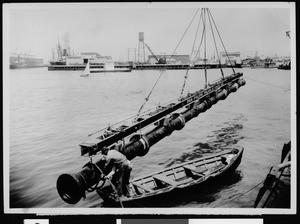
[120, 170]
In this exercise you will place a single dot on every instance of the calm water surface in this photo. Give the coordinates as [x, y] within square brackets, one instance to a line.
[51, 112]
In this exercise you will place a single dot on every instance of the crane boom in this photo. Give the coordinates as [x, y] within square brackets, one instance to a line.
[159, 60]
[152, 53]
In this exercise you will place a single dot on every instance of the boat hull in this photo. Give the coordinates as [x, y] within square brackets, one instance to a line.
[171, 196]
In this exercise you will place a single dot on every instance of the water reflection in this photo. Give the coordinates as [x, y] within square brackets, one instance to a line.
[210, 192]
[227, 135]
[50, 112]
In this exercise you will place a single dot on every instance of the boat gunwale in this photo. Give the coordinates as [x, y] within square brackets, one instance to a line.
[224, 152]
[195, 182]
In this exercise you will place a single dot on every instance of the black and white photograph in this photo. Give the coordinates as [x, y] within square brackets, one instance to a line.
[149, 108]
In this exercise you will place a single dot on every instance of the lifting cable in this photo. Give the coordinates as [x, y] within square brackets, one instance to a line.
[264, 180]
[111, 125]
[129, 118]
[205, 69]
[212, 31]
[91, 189]
[221, 39]
[198, 50]
[193, 61]
[268, 84]
[196, 35]
[112, 185]
[210, 18]
[147, 98]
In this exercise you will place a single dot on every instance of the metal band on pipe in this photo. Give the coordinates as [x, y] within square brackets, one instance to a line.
[182, 120]
[145, 143]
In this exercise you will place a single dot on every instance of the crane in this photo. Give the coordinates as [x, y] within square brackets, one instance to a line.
[159, 60]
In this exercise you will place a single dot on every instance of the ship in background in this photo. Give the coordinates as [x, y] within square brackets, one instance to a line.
[61, 54]
[64, 59]
[19, 61]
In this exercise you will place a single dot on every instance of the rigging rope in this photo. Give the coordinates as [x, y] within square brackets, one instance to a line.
[203, 11]
[91, 189]
[205, 70]
[240, 195]
[267, 84]
[133, 116]
[212, 31]
[147, 98]
[209, 15]
[116, 192]
[111, 125]
[221, 40]
[193, 61]
[198, 50]
[184, 82]
[112, 185]
[200, 17]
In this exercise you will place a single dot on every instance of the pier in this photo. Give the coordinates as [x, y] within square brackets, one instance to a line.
[276, 191]
[173, 66]
[135, 67]
[72, 67]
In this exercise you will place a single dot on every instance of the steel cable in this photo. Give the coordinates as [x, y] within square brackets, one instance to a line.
[147, 98]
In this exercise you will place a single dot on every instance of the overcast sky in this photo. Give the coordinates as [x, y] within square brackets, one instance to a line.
[110, 29]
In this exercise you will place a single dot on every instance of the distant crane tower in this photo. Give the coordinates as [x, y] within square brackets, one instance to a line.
[134, 55]
[141, 48]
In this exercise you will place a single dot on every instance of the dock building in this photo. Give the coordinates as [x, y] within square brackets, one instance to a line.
[83, 58]
[234, 57]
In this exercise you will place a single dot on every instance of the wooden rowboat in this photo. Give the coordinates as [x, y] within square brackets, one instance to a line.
[177, 178]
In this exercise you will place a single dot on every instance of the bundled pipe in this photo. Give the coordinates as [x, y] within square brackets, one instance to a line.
[72, 187]
[177, 121]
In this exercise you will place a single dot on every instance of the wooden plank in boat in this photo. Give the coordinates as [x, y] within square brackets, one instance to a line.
[208, 161]
[197, 163]
[189, 169]
[185, 181]
[136, 186]
[160, 179]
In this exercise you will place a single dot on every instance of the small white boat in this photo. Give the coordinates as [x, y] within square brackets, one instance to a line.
[87, 71]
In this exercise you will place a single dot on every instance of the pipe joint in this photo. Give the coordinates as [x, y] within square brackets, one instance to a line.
[146, 146]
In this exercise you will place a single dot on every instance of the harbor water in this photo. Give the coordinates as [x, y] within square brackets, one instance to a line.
[52, 112]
